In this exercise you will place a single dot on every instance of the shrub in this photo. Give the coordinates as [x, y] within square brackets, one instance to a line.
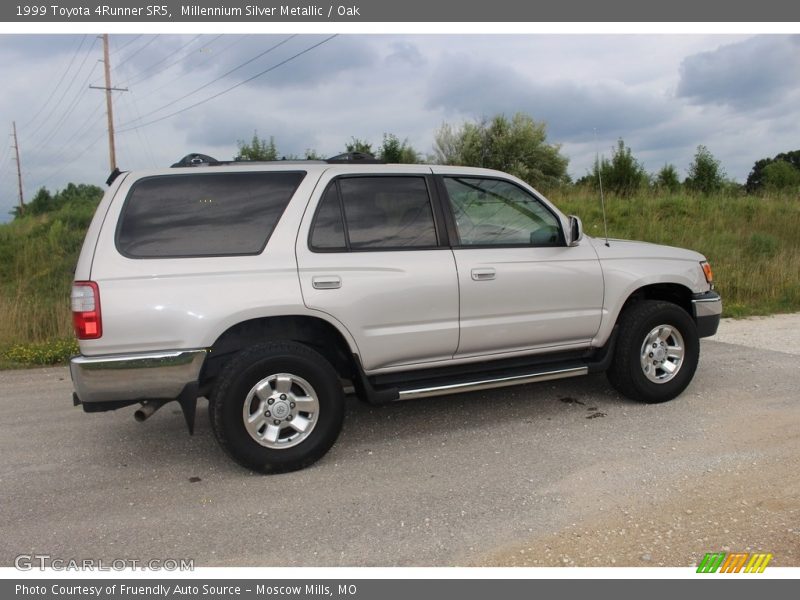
[43, 353]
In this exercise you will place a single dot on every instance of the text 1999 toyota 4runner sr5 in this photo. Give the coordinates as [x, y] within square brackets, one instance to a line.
[270, 287]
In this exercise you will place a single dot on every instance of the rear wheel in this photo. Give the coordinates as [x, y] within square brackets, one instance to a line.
[656, 353]
[277, 407]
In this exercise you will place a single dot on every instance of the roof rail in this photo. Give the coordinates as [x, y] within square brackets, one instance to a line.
[354, 157]
[196, 159]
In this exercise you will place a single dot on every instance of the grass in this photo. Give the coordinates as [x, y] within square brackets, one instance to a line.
[753, 244]
[37, 260]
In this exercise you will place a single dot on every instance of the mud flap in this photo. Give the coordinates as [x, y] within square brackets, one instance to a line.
[188, 402]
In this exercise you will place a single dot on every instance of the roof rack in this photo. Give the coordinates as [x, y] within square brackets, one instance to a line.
[354, 157]
[196, 159]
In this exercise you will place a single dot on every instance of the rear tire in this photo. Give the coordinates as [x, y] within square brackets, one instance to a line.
[277, 407]
[656, 353]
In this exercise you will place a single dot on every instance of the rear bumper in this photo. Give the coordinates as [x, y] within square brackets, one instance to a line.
[112, 381]
[707, 311]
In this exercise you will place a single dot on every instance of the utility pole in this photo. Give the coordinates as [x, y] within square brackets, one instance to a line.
[112, 153]
[19, 169]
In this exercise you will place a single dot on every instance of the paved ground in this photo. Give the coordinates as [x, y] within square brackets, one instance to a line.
[561, 473]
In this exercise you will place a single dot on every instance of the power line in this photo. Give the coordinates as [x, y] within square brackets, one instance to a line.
[66, 90]
[60, 80]
[87, 126]
[138, 77]
[121, 48]
[233, 87]
[239, 40]
[81, 92]
[134, 77]
[5, 156]
[141, 135]
[135, 52]
[63, 167]
[213, 81]
[81, 131]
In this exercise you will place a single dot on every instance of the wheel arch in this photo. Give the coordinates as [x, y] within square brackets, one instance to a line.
[315, 332]
[666, 292]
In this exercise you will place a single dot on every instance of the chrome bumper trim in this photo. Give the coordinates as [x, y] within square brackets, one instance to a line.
[707, 305]
[146, 376]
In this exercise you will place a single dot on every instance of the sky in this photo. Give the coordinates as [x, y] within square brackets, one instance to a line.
[663, 94]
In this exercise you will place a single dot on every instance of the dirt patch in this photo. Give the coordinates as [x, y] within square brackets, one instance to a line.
[737, 507]
[780, 333]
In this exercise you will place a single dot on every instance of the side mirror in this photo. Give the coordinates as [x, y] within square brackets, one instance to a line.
[575, 231]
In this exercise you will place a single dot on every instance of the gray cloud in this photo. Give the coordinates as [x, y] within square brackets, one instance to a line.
[662, 94]
[744, 75]
[28, 47]
[405, 54]
[340, 55]
[572, 110]
[206, 132]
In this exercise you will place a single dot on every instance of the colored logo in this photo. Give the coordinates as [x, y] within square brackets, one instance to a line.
[735, 562]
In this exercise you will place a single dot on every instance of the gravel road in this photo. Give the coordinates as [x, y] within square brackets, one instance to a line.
[558, 473]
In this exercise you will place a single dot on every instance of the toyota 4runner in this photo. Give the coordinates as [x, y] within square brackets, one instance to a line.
[271, 288]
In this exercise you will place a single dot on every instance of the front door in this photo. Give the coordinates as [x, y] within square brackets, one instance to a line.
[521, 287]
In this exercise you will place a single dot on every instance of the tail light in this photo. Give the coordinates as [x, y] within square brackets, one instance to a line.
[85, 301]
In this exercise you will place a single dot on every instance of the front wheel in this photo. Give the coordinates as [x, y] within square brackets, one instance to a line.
[277, 407]
[656, 353]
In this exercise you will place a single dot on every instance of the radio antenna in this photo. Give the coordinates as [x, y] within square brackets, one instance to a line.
[600, 179]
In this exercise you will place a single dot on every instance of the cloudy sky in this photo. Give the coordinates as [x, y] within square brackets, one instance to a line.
[739, 95]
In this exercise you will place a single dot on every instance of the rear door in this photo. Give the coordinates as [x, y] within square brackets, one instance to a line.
[371, 255]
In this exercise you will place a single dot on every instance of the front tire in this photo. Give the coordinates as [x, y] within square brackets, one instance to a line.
[277, 407]
[657, 352]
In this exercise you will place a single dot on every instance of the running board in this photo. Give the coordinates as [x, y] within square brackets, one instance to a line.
[489, 383]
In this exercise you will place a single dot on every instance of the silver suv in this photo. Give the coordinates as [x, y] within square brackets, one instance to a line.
[271, 288]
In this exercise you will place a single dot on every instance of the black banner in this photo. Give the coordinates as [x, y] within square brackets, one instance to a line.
[393, 589]
[358, 11]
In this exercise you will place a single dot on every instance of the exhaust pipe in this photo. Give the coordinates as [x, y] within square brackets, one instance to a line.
[147, 409]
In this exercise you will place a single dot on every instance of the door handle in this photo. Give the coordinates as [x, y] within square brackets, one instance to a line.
[333, 282]
[483, 274]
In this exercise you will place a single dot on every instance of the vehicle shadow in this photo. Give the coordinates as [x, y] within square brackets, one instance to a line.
[423, 422]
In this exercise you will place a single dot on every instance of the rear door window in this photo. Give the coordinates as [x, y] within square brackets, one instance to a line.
[204, 214]
[377, 213]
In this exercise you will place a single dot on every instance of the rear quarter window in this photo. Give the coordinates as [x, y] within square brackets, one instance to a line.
[203, 214]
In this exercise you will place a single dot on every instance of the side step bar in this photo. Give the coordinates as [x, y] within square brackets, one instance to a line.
[489, 383]
[439, 382]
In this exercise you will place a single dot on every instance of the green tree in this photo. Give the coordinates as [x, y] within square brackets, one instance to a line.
[392, 150]
[517, 146]
[705, 173]
[755, 180]
[312, 154]
[42, 202]
[623, 174]
[358, 145]
[257, 149]
[780, 175]
[667, 179]
[72, 196]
